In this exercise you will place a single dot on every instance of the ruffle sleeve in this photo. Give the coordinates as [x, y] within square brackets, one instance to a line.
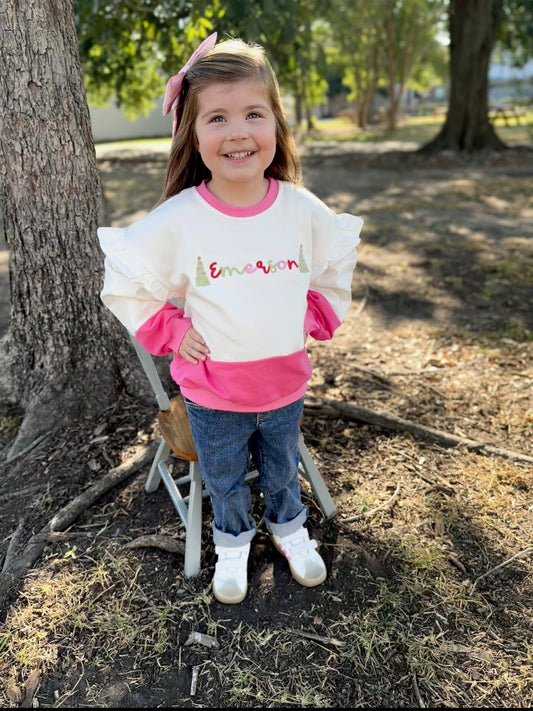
[137, 297]
[335, 242]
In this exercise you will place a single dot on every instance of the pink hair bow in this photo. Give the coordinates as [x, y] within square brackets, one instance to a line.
[175, 83]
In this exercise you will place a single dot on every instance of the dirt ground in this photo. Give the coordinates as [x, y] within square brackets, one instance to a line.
[428, 600]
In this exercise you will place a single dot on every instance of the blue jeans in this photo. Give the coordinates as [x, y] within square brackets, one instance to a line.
[225, 442]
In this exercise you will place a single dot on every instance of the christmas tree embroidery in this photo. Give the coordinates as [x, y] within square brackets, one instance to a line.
[303, 266]
[201, 276]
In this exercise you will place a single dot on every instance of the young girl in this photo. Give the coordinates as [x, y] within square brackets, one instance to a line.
[258, 263]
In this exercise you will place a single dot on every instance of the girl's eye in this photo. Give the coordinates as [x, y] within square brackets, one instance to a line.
[254, 114]
[217, 119]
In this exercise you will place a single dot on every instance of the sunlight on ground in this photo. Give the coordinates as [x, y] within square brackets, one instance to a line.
[144, 145]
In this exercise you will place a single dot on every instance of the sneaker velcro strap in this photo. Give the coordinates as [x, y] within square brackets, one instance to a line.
[302, 547]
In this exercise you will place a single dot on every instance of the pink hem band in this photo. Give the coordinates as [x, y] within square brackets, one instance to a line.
[213, 402]
[249, 386]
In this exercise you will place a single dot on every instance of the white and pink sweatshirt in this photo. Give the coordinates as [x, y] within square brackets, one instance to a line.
[254, 282]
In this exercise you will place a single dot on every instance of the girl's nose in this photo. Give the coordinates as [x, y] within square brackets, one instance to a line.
[238, 129]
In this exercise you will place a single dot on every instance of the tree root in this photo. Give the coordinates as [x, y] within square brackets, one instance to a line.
[14, 571]
[391, 422]
[165, 543]
[527, 551]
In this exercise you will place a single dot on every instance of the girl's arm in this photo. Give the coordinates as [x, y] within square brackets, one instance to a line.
[140, 301]
[320, 321]
[335, 257]
[169, 331]
[147, 313]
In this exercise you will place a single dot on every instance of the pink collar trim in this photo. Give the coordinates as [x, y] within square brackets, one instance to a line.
[231, 211]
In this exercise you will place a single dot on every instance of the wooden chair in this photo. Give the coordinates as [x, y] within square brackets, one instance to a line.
[177, 438]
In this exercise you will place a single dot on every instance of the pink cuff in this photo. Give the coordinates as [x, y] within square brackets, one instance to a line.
[164, 331]
[320, 321]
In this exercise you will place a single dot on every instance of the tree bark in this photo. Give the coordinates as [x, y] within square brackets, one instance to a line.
[62, 353]
[467, 128]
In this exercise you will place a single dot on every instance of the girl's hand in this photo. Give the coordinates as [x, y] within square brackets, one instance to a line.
[193, 347]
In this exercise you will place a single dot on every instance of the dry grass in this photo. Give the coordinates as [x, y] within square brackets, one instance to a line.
[406, 617]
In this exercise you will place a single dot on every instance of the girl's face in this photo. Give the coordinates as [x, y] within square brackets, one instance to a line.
[236, 133]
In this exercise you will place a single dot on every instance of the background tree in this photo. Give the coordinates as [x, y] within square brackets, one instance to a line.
[515, 34]
[62, 354]
[475, 26]
[129, 49]
[354, 44]
[384, 43]
[404, 29]
[432, 68]
[472, 27]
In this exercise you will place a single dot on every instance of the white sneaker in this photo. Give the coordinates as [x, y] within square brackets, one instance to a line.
[230, 582]
[307, 567]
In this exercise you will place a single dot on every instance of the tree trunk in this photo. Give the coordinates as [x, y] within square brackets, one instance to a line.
[298, 108]
[62, 355]
[395, 98]
[473, 25]
[365, 90]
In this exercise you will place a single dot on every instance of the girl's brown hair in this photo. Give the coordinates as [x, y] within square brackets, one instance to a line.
[229, 61]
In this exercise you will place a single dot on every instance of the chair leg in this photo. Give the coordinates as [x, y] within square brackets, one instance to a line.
[154, 478]
[189, 508]
[193, 539]
[311, 473]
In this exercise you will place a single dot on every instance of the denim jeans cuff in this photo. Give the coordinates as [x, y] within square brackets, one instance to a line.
[220, 538]
[285, 529]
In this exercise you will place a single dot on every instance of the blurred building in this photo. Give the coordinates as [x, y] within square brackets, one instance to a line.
[110, 124]
[508, 84]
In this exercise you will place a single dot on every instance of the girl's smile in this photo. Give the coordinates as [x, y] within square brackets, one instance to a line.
[236, 134]
[240, 156]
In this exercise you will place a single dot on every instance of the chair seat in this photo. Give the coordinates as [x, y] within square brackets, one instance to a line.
[176, 430]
